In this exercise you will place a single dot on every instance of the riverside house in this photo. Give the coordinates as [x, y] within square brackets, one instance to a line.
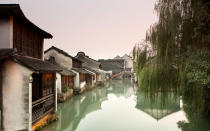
[114, 65]
[27, 83]
[66, 61]
[128, 62]
[65, 81]
[93, 66]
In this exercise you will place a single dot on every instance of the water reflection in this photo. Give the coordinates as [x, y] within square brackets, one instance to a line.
[157, 108]
[120, 107]
[71, 112]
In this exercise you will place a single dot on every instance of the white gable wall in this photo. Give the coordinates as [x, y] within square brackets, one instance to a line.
[62, 60]
[58, 83]
[15, 81]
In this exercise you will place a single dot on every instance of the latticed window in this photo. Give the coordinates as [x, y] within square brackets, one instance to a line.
[47, 84]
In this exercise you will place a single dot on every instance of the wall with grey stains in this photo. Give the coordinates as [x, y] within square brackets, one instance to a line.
[62, 60]
[15, 83]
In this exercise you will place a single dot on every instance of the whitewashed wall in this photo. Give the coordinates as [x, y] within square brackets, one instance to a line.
[77, 81]
[58, 83]
[128, 62]
[82, 84]
[60, 59]
[16, 79]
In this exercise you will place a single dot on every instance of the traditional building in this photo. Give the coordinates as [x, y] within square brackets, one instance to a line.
[27, 83]
[92, 65]
[66, 61]
[65, 81]
[87, 61]
[86, 77]
[114, 65]
[128, 61]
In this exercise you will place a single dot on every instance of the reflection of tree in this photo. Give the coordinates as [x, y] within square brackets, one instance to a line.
[158, 106]
[197, 109]
[196, 122]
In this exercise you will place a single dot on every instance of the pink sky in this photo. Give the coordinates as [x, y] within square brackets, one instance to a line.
[100, 28]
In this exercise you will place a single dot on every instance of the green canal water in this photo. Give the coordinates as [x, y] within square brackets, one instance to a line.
[120, 107]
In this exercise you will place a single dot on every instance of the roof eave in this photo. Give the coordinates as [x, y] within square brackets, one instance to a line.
[15, 10]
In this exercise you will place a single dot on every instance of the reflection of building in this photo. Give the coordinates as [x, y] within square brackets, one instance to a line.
[75, 110]
[161, 107]
[126, 90]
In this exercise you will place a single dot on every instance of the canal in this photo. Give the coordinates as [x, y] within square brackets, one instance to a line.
[118, 106]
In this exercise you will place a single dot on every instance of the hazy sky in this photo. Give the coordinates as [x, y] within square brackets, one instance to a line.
[100, 28]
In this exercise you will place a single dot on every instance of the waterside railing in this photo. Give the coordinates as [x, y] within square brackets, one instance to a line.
[42, 107]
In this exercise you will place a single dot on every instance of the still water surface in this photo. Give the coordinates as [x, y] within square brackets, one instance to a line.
[118, 107]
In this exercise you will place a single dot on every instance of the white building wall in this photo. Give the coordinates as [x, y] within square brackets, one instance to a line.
[128, 62]
[82, 84]
[60, 59]
[76, 82]
[58, 83]
[99, 77]
[16, 80]
[94, 81]
[6, 33]
[102, 76]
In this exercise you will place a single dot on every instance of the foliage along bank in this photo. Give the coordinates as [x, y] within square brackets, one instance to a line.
[180, 58]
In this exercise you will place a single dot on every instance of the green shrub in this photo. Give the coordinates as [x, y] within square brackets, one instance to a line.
[65, 89]
[195, 83]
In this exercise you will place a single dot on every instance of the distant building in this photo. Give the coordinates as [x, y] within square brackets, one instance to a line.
[27, 83]
[73, 64]
[87, 61]
[128, 61]
[114, 65]
[92, 65]
[65, 81]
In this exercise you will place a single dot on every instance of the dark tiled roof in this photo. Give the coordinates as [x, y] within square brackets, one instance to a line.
[15, 10]
[67, 73]
[64, 71]
[36, 64]
[92, 70]
[62, 52]
[120, 63]
[87, 61]
[81, 70]
[112, 60]
[114, 65]
[6, 52]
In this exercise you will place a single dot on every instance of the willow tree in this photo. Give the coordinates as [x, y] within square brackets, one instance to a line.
[182, 31]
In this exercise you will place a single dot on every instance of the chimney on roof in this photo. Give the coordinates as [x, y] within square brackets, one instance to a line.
[81, 53]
